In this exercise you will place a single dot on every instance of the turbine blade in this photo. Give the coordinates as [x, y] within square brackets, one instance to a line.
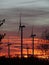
[3, 20]
[1, 24]
[20, 22]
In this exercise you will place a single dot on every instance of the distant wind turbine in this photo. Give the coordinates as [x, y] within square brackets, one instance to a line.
[32, 36]
[8, 49]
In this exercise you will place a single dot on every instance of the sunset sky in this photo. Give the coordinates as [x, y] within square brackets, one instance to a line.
[34, 13]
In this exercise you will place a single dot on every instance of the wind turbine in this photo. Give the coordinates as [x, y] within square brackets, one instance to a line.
[1, 22]
[32, 36]
[8, 49]
[2, 35]
[21, 29]
[8, 45]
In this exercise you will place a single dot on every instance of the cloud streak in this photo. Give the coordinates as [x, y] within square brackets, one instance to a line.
[27, 3]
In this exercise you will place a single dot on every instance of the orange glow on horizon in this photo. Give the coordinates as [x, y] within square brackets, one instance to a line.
[16, 40]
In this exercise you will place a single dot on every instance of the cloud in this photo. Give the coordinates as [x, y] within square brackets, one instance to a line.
[30, 17]
[27, 3]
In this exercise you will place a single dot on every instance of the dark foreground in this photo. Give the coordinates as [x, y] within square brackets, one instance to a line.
[23, 61]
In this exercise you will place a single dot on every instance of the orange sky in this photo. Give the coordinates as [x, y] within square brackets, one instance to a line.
[15, 47]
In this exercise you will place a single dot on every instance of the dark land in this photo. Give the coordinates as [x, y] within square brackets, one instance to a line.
[24, 61]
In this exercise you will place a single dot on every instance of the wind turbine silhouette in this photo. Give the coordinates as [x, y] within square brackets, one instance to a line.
[9, 45]
[1, 22]
[21, 29]
[2, 35]
[8, 49]
[32, 36]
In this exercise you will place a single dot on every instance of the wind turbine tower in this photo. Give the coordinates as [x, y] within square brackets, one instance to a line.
[32, 36]
[21, 27]
[8, 50]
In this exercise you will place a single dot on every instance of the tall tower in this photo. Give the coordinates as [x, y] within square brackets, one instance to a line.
[21, 27]
[8, 50]
[32, 36]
